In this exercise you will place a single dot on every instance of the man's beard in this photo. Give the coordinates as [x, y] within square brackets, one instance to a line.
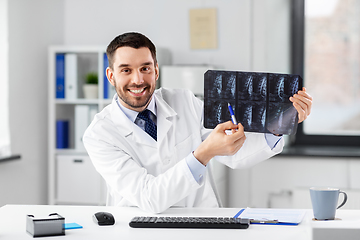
[135, 102]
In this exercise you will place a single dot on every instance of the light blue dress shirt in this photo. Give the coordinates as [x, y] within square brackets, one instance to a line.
[196, 168]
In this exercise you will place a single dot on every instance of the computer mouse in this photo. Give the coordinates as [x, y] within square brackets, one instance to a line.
[104, 218]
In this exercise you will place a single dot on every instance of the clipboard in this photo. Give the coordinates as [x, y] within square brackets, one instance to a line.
[272, 216]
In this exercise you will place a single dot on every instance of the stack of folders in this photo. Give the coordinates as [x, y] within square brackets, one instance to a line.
[67, 77]
[272, 216]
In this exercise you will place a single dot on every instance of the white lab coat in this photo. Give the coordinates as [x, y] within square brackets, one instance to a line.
[154, 175]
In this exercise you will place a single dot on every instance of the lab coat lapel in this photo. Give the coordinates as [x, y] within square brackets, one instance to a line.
[165, 121]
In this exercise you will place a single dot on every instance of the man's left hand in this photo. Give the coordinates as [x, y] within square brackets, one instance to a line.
[302, 102]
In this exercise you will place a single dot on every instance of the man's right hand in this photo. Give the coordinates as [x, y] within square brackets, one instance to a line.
[218, 143]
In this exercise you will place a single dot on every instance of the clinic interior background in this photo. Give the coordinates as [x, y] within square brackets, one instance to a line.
[253, 35]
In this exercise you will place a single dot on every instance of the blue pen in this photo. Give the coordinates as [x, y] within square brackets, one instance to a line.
[233, 119]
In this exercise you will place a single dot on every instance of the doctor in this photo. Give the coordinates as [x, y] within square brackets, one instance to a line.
[150, 145]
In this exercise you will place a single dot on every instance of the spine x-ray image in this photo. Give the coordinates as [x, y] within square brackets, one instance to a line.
[260, 100]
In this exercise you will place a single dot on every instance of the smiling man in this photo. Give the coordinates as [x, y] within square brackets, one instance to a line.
[150, 145]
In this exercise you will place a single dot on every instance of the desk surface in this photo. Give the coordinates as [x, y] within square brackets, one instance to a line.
[13, 224]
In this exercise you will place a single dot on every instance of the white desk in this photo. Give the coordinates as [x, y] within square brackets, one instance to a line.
[13, 224]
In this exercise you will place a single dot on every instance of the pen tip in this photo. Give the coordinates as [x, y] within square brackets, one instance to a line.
[228, 104]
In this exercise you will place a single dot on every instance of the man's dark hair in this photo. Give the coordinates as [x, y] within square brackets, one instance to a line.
[131, 39]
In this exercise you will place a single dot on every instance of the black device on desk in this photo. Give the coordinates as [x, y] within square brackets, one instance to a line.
[104, 218]
[190, 222]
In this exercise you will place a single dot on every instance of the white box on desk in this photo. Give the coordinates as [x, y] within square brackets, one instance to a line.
[346, 226]
[335, 233]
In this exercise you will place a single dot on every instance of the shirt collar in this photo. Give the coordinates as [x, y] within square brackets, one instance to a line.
[131, 114]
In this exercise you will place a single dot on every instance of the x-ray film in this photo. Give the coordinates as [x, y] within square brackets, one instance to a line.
[260, 100]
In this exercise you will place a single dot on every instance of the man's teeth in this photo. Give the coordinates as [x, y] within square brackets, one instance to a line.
[136, 91]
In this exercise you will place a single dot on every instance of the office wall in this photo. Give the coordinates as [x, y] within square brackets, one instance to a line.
[32, 26]
[166, 23]
[252, 34]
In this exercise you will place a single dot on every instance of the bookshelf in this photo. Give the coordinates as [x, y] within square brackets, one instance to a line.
[72, 177]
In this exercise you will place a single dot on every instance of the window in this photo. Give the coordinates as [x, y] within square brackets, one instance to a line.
[326, 52]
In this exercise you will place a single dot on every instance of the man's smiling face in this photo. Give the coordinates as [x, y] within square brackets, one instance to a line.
[134, 77]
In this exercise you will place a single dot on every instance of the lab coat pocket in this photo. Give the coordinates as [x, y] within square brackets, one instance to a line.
[185, 147]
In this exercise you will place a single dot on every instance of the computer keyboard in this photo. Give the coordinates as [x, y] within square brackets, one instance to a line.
[189, 222]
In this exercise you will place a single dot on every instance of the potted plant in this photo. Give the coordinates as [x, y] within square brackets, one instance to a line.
[90, 87]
